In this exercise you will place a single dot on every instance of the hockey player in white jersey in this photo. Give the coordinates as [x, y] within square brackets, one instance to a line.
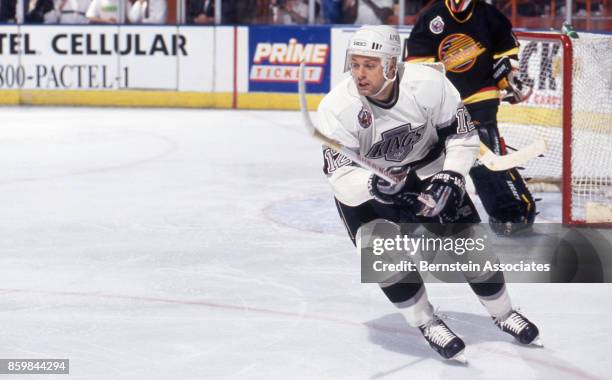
[408, 118]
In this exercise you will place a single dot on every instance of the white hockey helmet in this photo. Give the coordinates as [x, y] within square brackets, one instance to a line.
[381, 41]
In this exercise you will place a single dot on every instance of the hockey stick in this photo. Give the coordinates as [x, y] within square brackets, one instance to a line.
[499, 163]
[486, 157]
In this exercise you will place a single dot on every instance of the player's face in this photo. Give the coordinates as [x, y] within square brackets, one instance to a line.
[368, 74]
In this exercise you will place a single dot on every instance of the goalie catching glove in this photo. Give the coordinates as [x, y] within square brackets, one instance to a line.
[443, 196]
[505, 72]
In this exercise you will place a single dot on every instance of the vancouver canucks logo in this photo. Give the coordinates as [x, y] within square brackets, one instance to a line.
[459, 52]
[364, 118]
[396, 143]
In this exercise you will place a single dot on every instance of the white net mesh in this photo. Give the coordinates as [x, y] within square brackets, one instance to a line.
[591, 116]
[591, 122]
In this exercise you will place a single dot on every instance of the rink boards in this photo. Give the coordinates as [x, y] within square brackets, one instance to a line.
[165, 66]
[245, 67]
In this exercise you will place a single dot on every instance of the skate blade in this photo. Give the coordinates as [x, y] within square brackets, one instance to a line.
[537, 342]
[460, 358]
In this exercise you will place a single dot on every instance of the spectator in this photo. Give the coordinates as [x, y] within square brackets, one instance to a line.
[332, 11]
[200, 11]
[238, 12]
[37, 11]
[532, 8]
[7, 10]
[371, 12]
[69, 12]
[414, 7]
[148, 12]
[291, 11]
[103, 11]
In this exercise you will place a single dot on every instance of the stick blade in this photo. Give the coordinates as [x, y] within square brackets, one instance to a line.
[509, 161]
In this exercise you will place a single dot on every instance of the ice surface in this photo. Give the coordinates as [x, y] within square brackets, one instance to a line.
[196, 244]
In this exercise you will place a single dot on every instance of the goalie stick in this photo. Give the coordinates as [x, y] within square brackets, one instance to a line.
[486, 157]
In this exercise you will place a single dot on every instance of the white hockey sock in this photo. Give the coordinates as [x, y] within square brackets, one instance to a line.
[498, 305]
[417, 311]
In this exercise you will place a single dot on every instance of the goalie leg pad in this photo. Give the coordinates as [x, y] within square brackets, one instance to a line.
[504, 195]
[485, 120]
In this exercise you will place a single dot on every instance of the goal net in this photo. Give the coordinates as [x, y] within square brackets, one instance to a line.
[571, 108]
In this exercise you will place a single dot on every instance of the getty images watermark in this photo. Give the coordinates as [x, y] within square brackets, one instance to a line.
[460, 252]
[409, 246]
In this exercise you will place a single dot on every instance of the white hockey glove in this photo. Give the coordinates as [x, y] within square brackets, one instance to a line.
[505, 72]
[404, 193]
[443, 196]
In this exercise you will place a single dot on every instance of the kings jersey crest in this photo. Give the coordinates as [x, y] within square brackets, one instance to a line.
[397, 143]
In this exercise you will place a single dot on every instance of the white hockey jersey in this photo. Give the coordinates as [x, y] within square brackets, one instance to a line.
[425, 126]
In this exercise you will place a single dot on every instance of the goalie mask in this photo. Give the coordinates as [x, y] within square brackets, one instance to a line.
[458, 6]
[379, 41]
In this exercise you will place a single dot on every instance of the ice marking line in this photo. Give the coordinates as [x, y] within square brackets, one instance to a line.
[266, 214]
[380, 375]
[171, 147]
[578, 373]
[319, 229]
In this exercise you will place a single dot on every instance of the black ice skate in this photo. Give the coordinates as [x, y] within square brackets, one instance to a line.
[520, 328]
[443, 340]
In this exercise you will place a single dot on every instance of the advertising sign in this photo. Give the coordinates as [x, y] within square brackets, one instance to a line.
[276, 52]
[45, 57]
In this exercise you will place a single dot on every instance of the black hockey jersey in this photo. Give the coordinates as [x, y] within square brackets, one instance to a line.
[467, 44]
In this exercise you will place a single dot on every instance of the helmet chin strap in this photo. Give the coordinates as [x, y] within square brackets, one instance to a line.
[387, 82]
[385, 85]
